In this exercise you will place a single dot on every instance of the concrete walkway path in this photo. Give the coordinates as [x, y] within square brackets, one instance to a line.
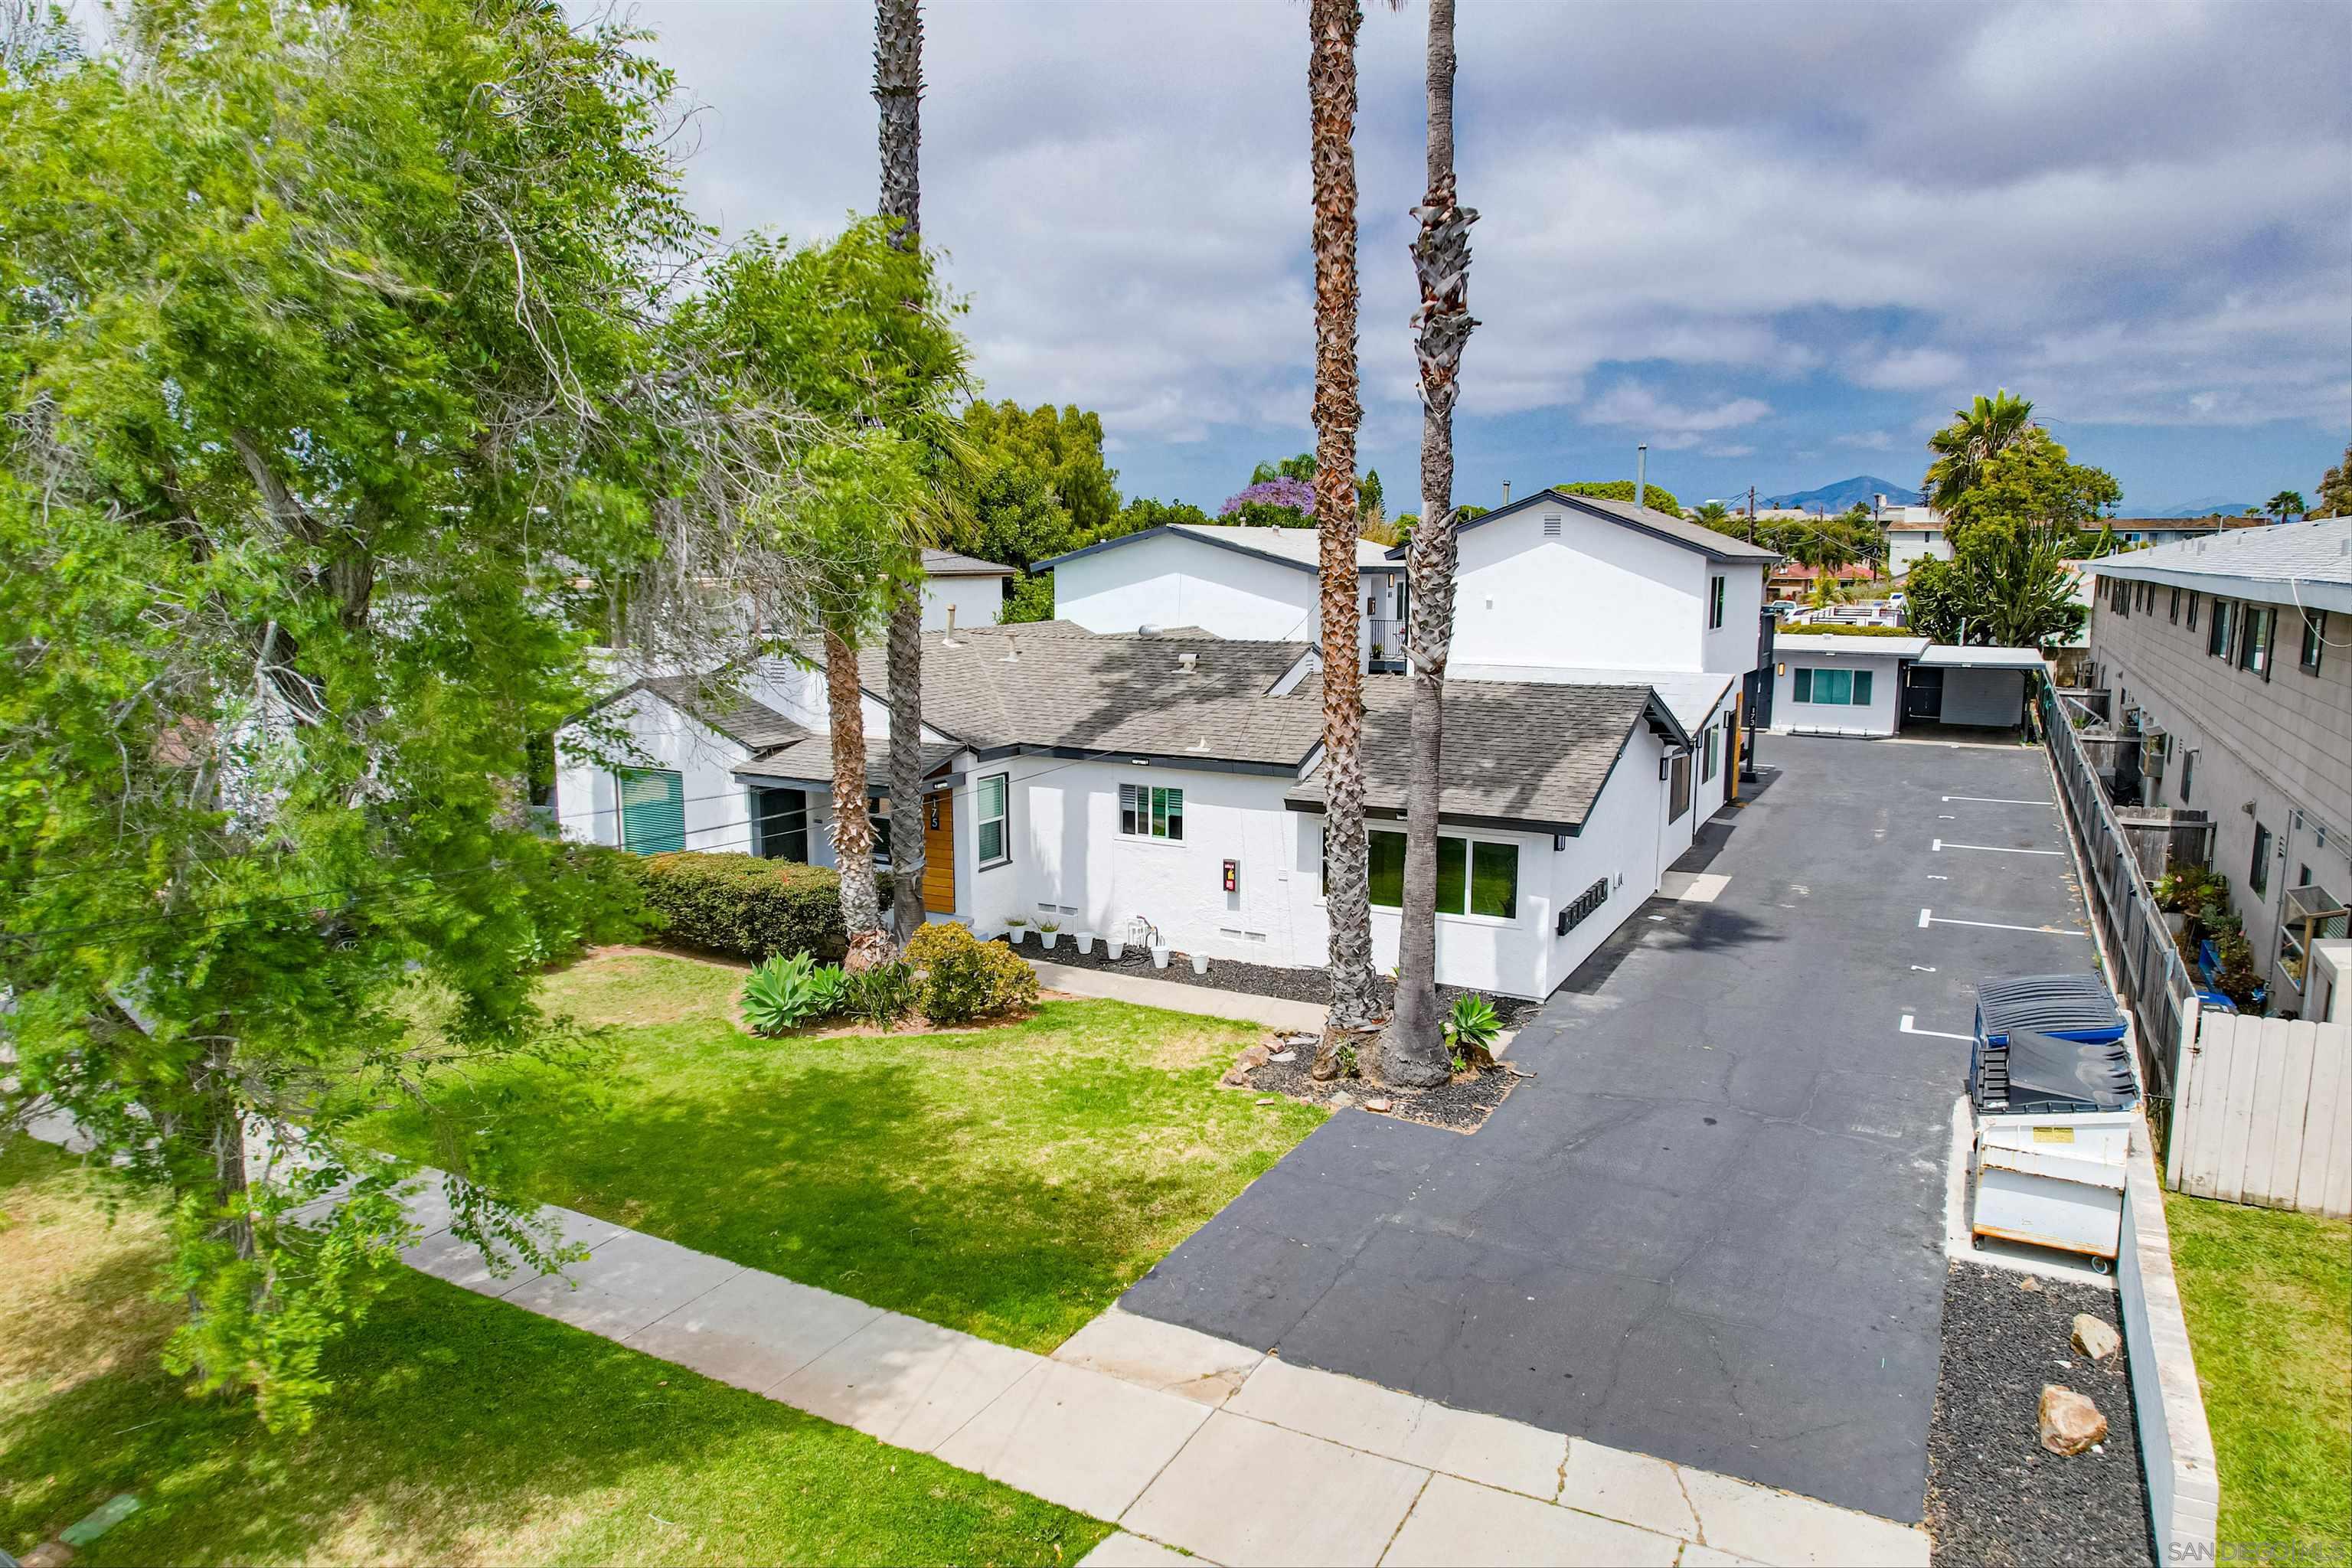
[1274, 1012]
[1184, 1440]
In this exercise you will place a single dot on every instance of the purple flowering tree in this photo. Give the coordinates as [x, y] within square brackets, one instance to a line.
[1265, 503]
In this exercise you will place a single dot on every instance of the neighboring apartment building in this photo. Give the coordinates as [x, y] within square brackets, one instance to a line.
[2235, 650]
[2152, 530]
[1914, 533]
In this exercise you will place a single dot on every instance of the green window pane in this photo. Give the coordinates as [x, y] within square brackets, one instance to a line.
[1452, 875]
[1804, 684]
[992, 841]
[1862, 688]
[653, 811]
[1833, 687]
[1388, 869]
[991, 795]
[1495, 880]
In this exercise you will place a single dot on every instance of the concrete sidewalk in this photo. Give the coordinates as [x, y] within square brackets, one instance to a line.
[1274, 1012]
[1184, 1440]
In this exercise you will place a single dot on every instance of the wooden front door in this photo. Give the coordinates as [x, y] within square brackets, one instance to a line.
[939, 853]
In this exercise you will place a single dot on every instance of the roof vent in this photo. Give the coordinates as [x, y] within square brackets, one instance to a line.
[1146, 630]
[1012, 650]
[1188, 663]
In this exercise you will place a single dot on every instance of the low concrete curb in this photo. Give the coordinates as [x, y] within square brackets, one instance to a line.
[2176, 1445]
[1178, 997]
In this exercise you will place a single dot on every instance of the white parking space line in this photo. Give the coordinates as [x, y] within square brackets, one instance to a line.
[1997, 800]
[1911, 1028]
[1994, 848]
[1930, 917]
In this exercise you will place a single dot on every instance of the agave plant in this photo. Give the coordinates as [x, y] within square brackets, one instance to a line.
[1473, 1024]
[785, 992]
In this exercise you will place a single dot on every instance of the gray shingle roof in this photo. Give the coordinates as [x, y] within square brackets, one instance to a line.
[1300, 548]
[810, 761]
[1051, 683]
[1664, 526]
[1518, 752]
[732, 714]
[2306, 563]
[948, 564]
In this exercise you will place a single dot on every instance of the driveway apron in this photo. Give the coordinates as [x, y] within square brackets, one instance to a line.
[1711, 1227]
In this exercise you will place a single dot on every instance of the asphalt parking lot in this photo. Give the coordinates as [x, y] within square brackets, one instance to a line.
[1712, 1228]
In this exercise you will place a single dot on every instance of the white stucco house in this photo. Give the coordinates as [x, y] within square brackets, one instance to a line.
[1873, 685]
[1914, 533]
[969, 589]
[1258, 583]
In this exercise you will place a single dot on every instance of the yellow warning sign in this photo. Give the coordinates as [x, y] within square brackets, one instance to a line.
[2054, 1135]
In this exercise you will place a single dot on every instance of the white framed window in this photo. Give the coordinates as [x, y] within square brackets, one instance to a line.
[1150, 811]
[1477, 876]
[993, 799]
[1834, 688]
[1713, 603]
[1706, 764]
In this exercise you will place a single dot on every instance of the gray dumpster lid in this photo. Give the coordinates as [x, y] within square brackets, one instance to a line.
[2066, 1074]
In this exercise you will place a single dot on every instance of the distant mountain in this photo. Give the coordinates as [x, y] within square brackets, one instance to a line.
[1857, 490]
[2207, 506]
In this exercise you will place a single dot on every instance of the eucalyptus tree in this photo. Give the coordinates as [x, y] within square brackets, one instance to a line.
[898, 93]
[1414, 1048]
[322, 334]
[1331, 107]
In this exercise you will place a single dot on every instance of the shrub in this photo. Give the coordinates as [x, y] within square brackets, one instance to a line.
[785, 992]
[1473, 1021]
[965, 978]
[741, 906]
[882, 994]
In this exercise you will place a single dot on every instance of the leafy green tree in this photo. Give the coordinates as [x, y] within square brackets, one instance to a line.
[322, 332]
[1658, 498]
[2006, 586]
[1017, 520]
[1032, 599]
[1065, 446]
[1713, 514]
[2032, 481]
[2335, 489]
[1301, 467]
[2285, 504]
[1977, 435]
[1143, 512]
[1372, 503]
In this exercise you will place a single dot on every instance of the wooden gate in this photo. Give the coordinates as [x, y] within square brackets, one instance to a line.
[2263, 1115]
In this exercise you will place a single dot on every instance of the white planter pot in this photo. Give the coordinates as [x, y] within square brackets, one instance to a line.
[1159, 957]
[1200, 964]
[1086, 943]
[1115, 950]
[1048, 938]
[1016, 935]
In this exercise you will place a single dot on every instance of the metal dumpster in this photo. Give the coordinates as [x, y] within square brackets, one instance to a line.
[2052, 1078]
[2076, 1008]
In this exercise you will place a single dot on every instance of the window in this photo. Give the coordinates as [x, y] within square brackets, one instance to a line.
[653, 810]
[2188, 774]
[2254, 627]
[779, 825]
[1713, 603]
[2192, 609]
[2218, 638]
[1150, 811]
[2176, 606]
[1474, 876]
[993, 798]
[2314, 637]
[1678, 786]
[2258, 874]
[1834, 688]
[1706, 761]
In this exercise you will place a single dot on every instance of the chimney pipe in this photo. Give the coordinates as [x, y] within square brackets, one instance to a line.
[1506, 492]
[1641, 474]
[948, 640]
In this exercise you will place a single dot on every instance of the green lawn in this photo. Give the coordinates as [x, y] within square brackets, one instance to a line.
[464, 1431]
[1010, 1182]
[2269, 1299]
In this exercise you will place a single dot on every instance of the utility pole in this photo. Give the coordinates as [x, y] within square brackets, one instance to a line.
[1751, 514]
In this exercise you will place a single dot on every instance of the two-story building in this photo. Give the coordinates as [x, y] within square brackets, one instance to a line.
[2230, 654]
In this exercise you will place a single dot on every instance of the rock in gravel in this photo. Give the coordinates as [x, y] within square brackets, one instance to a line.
[1255, 1057]
[1265, 1100]
[1381, 1106]
[1236, 1077]
[1341, 1101]
[2028, 1283]
[2070, 1423]
[1294, 1041]
[1284, 1056]
[2094, 1338]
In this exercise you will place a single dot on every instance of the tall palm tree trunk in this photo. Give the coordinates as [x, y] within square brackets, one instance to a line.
[1331, 100]
[852, 829]
[898, 90]
[1412, 1050]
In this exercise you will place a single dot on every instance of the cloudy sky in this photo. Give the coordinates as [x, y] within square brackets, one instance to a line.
[1778, 241]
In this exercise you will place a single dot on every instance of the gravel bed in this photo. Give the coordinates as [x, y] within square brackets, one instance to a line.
[1256, 979]
[1995, 1496]
[1462, 1105]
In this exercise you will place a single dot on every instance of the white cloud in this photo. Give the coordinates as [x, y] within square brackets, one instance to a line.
[1630, 404]
[1865, 440]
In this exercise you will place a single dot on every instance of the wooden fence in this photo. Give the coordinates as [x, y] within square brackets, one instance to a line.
[2262, 1115]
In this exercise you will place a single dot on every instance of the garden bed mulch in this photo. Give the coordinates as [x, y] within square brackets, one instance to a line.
[1996, 1498]
[1255, 979]
[1461, 1105]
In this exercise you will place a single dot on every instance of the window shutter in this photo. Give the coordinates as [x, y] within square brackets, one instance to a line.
[653, 811]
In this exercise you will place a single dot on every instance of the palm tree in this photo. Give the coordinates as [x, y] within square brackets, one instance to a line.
[1412, 1051]
[1719, 517]
[898, 91]
[1331, 112]
[1976, 434]
[2285, 504]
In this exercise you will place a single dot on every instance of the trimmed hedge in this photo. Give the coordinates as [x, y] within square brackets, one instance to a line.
[739, 906]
